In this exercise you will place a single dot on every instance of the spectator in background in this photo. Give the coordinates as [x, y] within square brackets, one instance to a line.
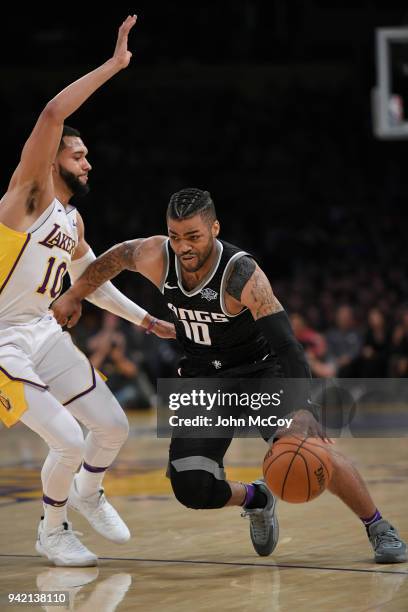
[344, 342]
[108, 352]
[89, 325]
[159, 359]
[399, 362]
[376, 346]
[315, 347]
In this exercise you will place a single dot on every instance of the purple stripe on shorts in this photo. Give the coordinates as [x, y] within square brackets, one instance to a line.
[86, 390]
[23, 380]
[91, 468]
[53, 502]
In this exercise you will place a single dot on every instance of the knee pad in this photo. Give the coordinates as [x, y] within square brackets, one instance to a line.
[199, 489]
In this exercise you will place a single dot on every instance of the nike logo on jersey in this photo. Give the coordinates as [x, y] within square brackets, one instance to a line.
[167, 286]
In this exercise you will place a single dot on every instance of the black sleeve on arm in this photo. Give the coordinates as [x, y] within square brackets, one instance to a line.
[278, 331]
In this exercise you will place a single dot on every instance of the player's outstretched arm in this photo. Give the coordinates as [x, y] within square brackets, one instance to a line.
[67, 308]
[107, 296]
[141, 255]
[33, 174]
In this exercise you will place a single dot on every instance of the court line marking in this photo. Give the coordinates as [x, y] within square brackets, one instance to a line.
[230, 563]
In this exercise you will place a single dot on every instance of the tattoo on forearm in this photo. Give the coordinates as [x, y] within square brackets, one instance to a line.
[130, 254]
[108, 265]
[239, 276]
[264, 300]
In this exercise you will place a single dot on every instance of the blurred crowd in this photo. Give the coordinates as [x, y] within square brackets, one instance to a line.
[319, 204]
[279, 131]
[376, 348]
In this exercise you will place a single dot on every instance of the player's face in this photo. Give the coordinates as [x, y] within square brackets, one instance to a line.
[73, 166]
[192, 240]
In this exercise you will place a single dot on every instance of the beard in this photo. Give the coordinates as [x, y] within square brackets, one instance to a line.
[73, 183]
[201, 258]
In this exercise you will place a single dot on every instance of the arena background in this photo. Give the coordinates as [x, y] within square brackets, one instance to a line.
[266, 105]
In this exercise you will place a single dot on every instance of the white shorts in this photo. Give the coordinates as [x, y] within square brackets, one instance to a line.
[43, 355]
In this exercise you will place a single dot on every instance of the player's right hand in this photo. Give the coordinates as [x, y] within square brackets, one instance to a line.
[67, 309]
[122, 55]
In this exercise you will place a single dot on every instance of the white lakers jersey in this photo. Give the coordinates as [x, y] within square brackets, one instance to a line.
[33, 264]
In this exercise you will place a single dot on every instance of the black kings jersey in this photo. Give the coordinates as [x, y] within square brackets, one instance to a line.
[212, 339]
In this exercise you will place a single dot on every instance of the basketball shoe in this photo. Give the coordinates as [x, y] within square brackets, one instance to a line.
[386, 542]
[61, 546]
[100, 514]
[264, 526]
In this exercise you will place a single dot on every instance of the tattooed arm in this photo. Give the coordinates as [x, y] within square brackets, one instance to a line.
[248, 285]
[142, 255]
[108, 265]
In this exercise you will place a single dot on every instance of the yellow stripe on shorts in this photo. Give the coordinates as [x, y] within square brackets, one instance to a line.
[12, 400]
[101, 374]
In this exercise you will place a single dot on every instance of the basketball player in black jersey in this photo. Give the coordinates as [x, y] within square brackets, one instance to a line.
[230, 324]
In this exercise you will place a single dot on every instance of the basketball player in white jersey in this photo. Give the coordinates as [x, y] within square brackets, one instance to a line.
[45, 381]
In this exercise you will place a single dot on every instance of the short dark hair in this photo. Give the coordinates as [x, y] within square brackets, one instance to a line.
[67, 131]
[189, 202]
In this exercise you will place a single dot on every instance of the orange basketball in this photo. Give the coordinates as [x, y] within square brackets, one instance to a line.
[298, 469]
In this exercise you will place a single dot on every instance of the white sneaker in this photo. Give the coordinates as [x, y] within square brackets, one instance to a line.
[100, 513]
[61, 546]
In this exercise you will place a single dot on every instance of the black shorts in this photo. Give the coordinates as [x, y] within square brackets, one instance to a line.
[268, 367]
[215, 448]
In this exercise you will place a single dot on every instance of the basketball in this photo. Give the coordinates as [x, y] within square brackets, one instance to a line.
[297, 469]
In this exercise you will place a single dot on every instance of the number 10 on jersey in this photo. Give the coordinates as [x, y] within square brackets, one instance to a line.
[56, 283]
[198, 332]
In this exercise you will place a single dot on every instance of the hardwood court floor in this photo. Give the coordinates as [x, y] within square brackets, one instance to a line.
[182, 560]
